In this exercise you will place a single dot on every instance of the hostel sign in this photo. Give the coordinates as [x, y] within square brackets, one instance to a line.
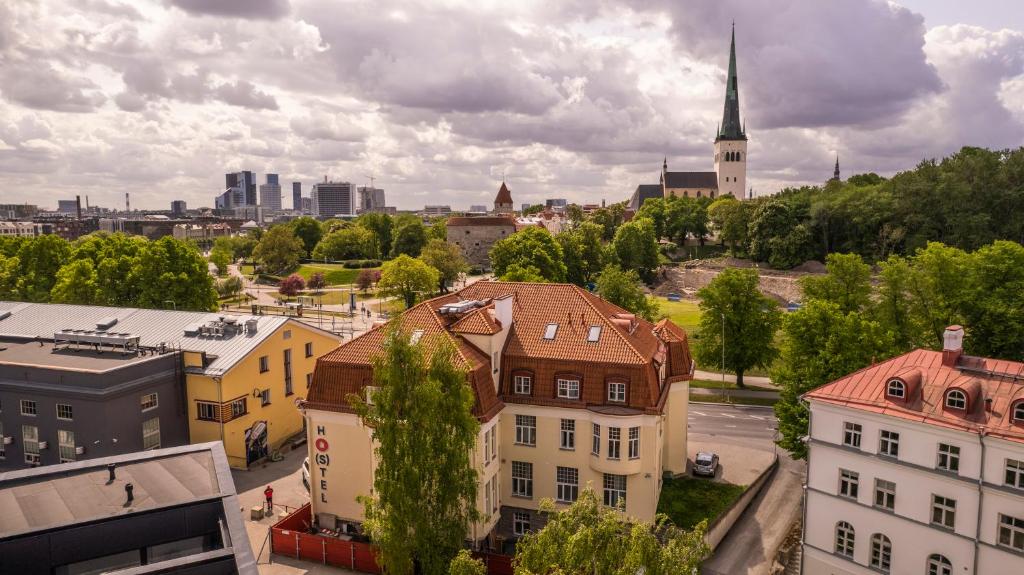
[322, 459]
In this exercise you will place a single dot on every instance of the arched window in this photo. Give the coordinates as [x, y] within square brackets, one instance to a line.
[881, 552]
[732, 156]
[739, 156]
[956, 399]
[1018, 412]
[844, 539]
[896, 388]
[939, 565]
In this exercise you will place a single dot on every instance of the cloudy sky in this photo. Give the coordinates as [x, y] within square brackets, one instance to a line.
[438, 99]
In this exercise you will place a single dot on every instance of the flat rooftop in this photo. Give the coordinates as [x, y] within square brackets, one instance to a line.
[49, 355]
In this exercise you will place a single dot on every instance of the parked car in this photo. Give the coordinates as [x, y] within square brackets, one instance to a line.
[705, 463]
[305, 473]
[674, 297]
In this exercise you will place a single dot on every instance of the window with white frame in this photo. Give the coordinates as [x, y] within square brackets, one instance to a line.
[206, 411]
[595, 446]
[569, 388]
[522, 479]
[66, 445]
[614, 440]
[943, 511]
[848, 483]
[550, 331]
[29, 407]
[494, 442]
[487, 447]
[65, 412]
[520, 523]
[634, 443]
[151, 433]
[881, 552]
[526, 430]
[617, 391]
[845, 537]
[885, 494]
[149, 401]
[889, 443]
[896, 388]
[239, 407]
[494, 494]
[487, 497]
[568, 434]
[30, 443]
[1014, 473]
[264, 397]
[1018, 412]
[939, 565]
[1011, 532]
[522, 384]
[594, 333]
[956, 399]
[851, 434]
[949, 457]
[567, 484]
[614, 490]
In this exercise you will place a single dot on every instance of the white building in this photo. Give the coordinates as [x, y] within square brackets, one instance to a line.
[20, 229]
[334, 199]
[916, 465]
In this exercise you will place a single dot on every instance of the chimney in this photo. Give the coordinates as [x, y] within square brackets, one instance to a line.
[78, 206]
[128, 488]
[952, 345]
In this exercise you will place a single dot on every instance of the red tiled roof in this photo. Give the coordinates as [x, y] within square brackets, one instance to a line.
[504, 196]
[981, 379]
[456, 221]
[479, 321]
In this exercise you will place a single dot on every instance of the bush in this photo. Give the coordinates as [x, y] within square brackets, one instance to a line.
[360, 264]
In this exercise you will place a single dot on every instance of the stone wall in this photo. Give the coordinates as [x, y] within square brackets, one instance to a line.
[476, 241]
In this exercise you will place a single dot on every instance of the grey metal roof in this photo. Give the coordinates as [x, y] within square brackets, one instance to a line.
[706, 180]
[153, 326]
[643, 193]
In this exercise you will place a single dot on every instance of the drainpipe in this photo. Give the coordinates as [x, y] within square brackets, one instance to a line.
[807, 482]
[220, 410]
[981, 492]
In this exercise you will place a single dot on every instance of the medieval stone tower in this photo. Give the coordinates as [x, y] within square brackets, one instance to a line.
[731, 139]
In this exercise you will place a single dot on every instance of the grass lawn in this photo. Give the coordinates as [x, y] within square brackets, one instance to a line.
[717, 384]
[334, 274]
[687, 501]
[684, 313]
[731, 399]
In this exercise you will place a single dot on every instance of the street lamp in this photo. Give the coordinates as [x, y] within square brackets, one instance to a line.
[723, 358]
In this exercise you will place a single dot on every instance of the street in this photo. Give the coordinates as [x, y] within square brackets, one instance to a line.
[733, 421]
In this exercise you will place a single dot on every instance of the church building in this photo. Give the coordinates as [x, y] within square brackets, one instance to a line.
[730, 175]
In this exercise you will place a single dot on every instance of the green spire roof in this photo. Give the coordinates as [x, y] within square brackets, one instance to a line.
[732, 128]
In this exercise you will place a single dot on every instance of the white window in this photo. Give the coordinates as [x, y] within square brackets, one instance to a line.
[939, 565]
[64, 411]
[264, 397]
[956, 399]
[240, 407]
[487, 447]
[494, 442]
[526, 430]
[634, 443]
[844, 539]
[29, 407]
[309, 349]
[881, 552]
[66, 445]
[550, 331]
[614, 438]
[523, 384]
[30, 443]
[1014, 473]
[206, 411]
[943, 511]
[851, 434]
[848, 483]
[1018, 411]
[151, 433]
[949, 457]
[885, 494]
[896, 388]
[1011, 532]
[522, 479]
[614, 490]
[149, 401]
[520, 523]
[264, 364]
[594, 334]
[487, 497]
[569, 388]
[595, 446]
[568, 428]
[567, 484]
[617, 391]
[494, 494]
[889, 443]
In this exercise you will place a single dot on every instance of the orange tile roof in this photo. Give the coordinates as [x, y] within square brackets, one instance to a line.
[479, 321]
[928, 380]
[457, 221]
[504, 196]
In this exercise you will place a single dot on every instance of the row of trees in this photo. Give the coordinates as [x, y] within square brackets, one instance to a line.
[106, 269]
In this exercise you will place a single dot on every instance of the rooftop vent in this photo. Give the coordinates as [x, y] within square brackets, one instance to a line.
[460, 307]
[251, 325]
[5, 314]
[106, 323]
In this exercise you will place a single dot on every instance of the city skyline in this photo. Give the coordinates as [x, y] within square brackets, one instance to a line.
[574, 101]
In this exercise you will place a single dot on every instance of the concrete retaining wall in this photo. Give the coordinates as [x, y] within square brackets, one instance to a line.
[720, 527]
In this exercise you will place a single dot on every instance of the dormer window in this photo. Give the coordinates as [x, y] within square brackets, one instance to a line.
[1018, 412]
[594, 334]
[956, 399]
[550, 331]
[896, 389]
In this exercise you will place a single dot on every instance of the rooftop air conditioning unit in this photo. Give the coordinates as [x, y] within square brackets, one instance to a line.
[8, 440]
[80, 450]
[43, 445]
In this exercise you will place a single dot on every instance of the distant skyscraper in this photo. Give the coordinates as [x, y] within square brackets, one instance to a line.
[371, 199]
[67, 206]
[270, 194]
[243, 189]
[334, 199]
[307, 205]
[178, 208]
[478, 209]
[297, 196]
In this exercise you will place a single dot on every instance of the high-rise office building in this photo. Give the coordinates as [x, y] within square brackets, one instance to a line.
[243, 189]
[67, 206]
[270, 194]
[371, 199]
[297, 196]
[178, 208]
[333, 199]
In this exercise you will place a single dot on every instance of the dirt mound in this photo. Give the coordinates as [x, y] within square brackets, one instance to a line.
[810, 267]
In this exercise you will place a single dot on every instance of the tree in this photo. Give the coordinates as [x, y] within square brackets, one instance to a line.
[623, 288]
[846, 283]
[9, 277]
[381, 225]
[438, 229]
[531, 247]
[308, 231]
[992, 303]
[731, 217]
[317, 282]
[424, 432]
[348, 243]
[750, 322]
[571, 256]
[39, 261]
[406, 277]
[534, 209]
[822, 343]
[279, 250]
[465, 564]
[410, 236]
[592, 252]
[76, 283]
[220, 258]
[169, 271]
[446, 259]
[636, 248]
[229, 287]
[518, 273]
[771, 219]
[291, 285]
[589, 538]
[365, 279]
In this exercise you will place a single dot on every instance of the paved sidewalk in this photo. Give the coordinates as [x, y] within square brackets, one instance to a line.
[735, 392]
[747, 379]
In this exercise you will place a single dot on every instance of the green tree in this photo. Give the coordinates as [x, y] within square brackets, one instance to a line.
[731, 218]
[9, 266]
[424, 432]
[465, 564]
[438, 229]
[592, 253]
[623, 288]
[405, 277]
[589, 538]
[846, 283]
[308, 231]
[410, 236]
[170, 270]
[750, 322]
[518, 273]
[772, 219]
[220, 258]
[636, 248]
[278, 250]
[39, 261]
[76, 283]
[531, 247]
[534, 209]
[654, 209]
[229, 286]
[348, 243]
[822, 343]
[446, 259]
[571, 257]
[993, 308]
[382, 226]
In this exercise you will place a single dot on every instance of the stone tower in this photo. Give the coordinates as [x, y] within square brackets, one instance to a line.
[731, 139]
[503, 201]
[835, 174]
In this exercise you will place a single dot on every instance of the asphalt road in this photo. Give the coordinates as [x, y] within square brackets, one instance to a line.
[726, 422]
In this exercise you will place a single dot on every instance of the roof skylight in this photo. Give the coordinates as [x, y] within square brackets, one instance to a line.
[594, 334]
[550, 331]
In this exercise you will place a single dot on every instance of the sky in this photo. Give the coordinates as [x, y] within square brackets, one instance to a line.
[439, 100]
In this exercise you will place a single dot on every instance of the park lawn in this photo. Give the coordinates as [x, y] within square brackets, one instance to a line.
[717, 384]
[688, 501]
[717, 398]
[334, 274]
[685, 313]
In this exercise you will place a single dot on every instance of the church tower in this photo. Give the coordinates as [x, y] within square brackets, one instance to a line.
[731, 139]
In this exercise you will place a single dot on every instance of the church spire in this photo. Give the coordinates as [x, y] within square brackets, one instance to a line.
[835, 174]
[732, 128]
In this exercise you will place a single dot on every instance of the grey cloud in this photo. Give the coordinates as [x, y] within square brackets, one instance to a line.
[243, 93]
[321, 126]
[39, 86]
[251, 9]
[130, 102]
[111, 8]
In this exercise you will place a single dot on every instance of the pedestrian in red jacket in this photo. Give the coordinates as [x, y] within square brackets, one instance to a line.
[269, 494]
